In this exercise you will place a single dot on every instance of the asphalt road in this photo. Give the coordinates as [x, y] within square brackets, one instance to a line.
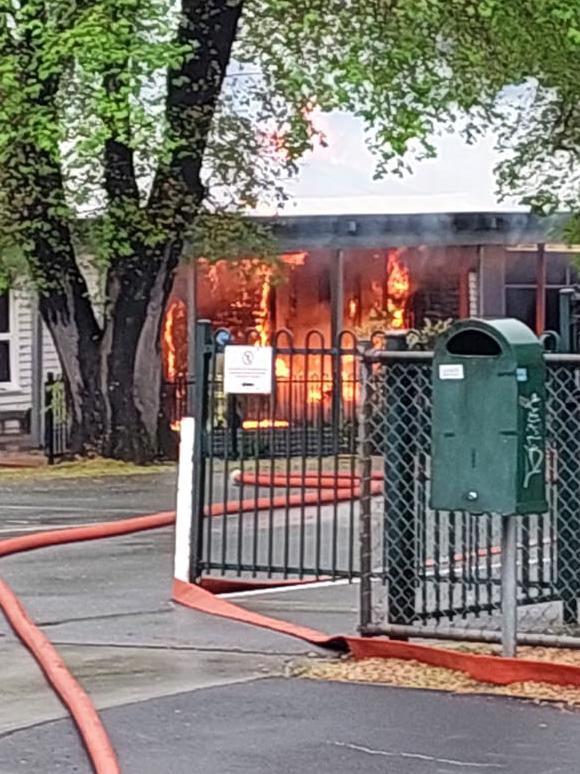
[27, 504]
[295, 726]
[184, 692]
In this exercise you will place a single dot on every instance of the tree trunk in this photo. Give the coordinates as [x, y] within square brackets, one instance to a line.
[77, 345]
[130, 354]
[113, 377]
[113, 372]
[66, 309]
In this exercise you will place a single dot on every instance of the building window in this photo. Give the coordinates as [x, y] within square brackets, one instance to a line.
[520, 288]
[5, 334]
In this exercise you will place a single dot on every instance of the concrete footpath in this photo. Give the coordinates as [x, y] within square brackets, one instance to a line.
[182, 691]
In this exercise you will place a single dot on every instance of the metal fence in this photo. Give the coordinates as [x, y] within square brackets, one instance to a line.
[175, 396]
[56, 419]
[438, 573]
[275, 475]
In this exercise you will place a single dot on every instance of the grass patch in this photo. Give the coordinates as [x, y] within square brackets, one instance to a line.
[93, 468]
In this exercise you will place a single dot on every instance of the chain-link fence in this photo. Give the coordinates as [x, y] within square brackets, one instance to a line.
[438, 573]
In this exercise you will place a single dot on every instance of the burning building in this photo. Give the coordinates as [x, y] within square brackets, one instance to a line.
[342, 278]
[389, 272]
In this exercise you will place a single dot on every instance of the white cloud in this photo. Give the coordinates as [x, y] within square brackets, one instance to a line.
[339, 179]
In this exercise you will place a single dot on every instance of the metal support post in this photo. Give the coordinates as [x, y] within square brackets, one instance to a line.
[49, 418]
[203, 355]
[509, 585]
[566, 296]
[37, 413]
[337, 295]
[365, 533]
[191, 330]
[540, 290]
[337, 325]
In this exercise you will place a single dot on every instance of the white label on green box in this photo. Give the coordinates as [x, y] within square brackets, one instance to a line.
[451, 371]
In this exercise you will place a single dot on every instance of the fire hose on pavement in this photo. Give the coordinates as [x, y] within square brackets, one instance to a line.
[203, 598]
[67, 688]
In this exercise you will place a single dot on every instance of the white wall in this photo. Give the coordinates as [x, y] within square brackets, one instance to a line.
[18, 396]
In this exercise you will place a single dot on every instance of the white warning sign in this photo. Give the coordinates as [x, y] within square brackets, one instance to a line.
[248, 370]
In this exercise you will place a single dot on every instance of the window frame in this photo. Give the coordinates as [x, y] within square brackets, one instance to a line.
[11, 337]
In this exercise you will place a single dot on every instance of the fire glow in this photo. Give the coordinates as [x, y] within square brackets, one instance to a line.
[264, 424]
[254, 299]
[398, 290]
[263, 312]
[171, 339]
[174, 349]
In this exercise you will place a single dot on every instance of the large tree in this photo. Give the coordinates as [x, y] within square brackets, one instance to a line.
[109, 110]
[119, 109]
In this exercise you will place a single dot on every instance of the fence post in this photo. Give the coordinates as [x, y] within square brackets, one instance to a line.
[399, 511]
[566, 296]
[203, 355]
[49, 418]
[568, 513]
[366, 466]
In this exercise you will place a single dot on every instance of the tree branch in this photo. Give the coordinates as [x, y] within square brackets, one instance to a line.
[118, 158]
[207, 30]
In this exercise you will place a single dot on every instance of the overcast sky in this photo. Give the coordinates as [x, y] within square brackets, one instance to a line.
[338, 179]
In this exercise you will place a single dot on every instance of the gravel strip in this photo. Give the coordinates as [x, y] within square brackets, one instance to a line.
[412, 674]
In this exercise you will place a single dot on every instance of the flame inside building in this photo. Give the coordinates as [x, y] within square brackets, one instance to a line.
[391, 289]
[398, 291]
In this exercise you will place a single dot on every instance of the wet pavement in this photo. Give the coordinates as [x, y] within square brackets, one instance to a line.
[292, 726]
[183, 691]
[28, 504]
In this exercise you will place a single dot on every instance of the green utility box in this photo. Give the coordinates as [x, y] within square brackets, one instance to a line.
[489, 419]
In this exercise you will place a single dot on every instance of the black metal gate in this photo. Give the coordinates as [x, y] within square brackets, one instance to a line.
[275, 476]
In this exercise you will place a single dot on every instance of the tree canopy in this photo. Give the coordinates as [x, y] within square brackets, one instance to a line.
[414, 67]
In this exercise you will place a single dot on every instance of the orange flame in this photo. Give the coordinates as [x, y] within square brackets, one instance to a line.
[350, 385]
[175, 313]
[398, 287]
[352, 308]
[294, 259]
[174, 345]
[263, 311]
[264, 424]
[282, 369]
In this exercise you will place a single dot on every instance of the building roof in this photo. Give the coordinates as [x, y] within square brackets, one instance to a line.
[303, 232]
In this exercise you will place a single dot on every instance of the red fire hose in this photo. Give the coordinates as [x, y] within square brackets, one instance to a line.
[70, 692]
[202, 598]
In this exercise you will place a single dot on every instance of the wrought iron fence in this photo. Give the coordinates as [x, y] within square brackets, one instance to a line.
[438, 573]
[275, 484]
[56, 419]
